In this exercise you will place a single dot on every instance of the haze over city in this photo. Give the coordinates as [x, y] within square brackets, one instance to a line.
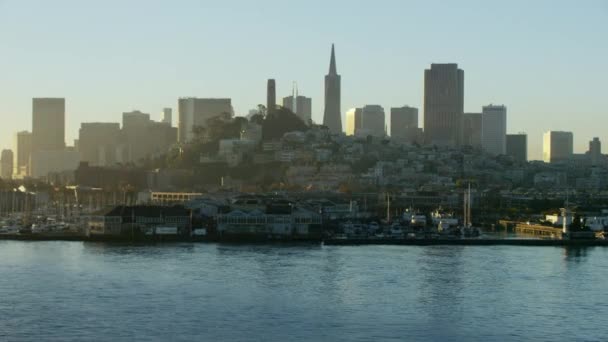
[545, 60]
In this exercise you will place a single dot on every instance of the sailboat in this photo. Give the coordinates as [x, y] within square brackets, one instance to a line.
[467, 229]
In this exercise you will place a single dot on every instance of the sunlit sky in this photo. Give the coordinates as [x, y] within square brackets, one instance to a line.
[547, 61]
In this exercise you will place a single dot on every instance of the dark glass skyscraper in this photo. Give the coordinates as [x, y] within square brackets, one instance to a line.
[443, 104]
[332, 117]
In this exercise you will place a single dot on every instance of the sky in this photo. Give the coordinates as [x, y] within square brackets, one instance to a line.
[547, 61]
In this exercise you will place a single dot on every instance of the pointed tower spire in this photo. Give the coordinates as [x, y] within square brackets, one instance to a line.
[332, 64]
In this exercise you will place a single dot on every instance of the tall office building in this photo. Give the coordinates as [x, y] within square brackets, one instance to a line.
[557, 146]
[494, 130]
[98, 143]
[300, 105]
[332, 117]
[143, 138]
[48, 124]
[271, 96]
[471, 130]
[373, 121]
[6, 164]
[517, 146]
[195, 112]
[404, 123]
[167, 116]
[443, 104]
[23, 150]
[353, 121]
[595, 151]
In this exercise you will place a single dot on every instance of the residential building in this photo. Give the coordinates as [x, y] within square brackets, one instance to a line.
[557, 146]
[443, 105]
[494, 130]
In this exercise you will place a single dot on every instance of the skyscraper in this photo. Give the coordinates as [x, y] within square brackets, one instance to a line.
[167, 116]
[595, 151]
[443, 104]
[48, 124]
[471, 129]
[271, 96]
[404, 123]
[517, 146]
[332, 117]
[6, 164]
[494, 130]
[373, 121]
[557, 146]
[300, 105]
[23, 150]
[98, 143]
[194, 112]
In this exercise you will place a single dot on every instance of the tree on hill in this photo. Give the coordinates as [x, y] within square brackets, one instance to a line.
[279, 122]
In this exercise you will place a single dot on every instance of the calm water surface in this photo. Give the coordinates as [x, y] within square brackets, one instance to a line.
[73, 291]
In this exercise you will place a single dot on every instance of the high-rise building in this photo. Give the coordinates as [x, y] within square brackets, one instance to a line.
[332, 117]
[404, 124]
[443, 104]
[517, 146]
[143, 138]
[48, 124]
[373, 121]
[471, 130]
[271, 96]
[557, 146]
[300, 105]
[23, 150]
[353, 121]
[595, 151]
[6, 164]
[194, 112]
[494, 130]
[167, 116]
[98, 143]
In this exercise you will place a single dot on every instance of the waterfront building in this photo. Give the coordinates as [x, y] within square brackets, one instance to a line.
[332, 117]
[48, 124]
[494, 130]
[404, 124]
[557, 146]
[443, 105]
[130, 220]
[471, 127]
[353, 120]
[6, 164]
[23, 150]
[98, 143]
[595, 151]
[271, 96]
[194, 112]
[517, 146]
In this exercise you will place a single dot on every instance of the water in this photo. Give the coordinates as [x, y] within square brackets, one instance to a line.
[73, 291]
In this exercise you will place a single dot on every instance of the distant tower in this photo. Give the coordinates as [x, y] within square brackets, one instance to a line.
[167, 116]
[271, 96]
[48, 124]
[443, 105]
[595, 151]
[332, 117]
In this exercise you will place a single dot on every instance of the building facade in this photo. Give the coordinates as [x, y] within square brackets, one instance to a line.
[404, 124]
[353, 121]
[98, 143]
[332, 117]
[48, 124]
[557, 146]
[373, 121]
[23, 150]
[301, 106]
[494, 130]
[471, 127]
[194, 112]
[517, 146]
[6, 164]
[443, 105]
[595, 151]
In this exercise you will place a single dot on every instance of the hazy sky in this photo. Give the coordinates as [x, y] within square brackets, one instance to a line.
[547, 61]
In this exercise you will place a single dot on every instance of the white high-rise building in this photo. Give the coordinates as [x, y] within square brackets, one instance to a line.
[353, 121]
[494, 130]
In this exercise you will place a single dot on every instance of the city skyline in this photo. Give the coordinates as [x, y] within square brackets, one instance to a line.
[550, 90]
